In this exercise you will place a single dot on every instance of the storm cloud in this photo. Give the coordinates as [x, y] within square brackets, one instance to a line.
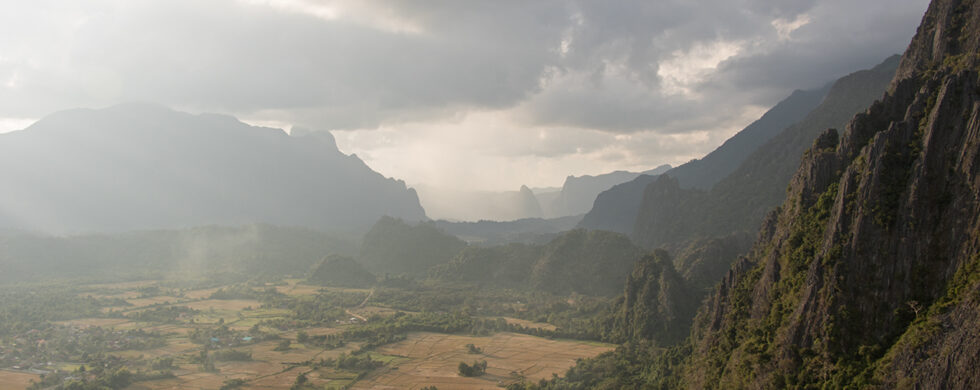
[618, 84]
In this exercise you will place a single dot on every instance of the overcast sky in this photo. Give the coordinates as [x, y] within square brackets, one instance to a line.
[476, 95]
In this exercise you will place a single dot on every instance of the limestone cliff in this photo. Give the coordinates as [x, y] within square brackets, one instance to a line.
[868, 274]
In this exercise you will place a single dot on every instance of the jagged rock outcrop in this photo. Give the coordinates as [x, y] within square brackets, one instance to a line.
[528, 203]
[869, 274]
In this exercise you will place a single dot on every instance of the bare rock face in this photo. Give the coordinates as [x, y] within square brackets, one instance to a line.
[869, 274]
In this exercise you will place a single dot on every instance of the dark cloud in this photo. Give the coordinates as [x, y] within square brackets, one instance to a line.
[574, 63]
[237, 57]
[831, 39]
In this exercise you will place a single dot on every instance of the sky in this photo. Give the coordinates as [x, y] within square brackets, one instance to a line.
[473, 95]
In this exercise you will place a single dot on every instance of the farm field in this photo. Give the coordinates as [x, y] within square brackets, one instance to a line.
[433, 359]
[16, 380]
[275, 335]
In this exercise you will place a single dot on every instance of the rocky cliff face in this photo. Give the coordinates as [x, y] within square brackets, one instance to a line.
[869, 273]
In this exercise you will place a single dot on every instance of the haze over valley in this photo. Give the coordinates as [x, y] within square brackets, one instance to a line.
[298, 194]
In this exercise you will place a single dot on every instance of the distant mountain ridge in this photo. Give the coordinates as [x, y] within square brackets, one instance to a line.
[575, 197]
[615, 209]
[705, 172]
[528, 230]
[462, 205]
[670, 215]
[144, 166]
[579, 193]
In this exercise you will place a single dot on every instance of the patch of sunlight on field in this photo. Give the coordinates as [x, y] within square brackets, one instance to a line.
[433, 360]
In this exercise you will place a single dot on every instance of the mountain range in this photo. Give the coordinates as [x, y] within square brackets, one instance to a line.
[866, 276]
[615, 208]
[663, 211]
[574, 198]
[142, 166]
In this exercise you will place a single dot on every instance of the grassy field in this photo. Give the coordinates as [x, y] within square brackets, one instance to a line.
[15, 379]
[421, 359]
[432, 359]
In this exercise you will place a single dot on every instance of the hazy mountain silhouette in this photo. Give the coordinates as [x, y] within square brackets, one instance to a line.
[579, 193]
[528, 230]
[342, 271]
[615, 209]
[139, 166]
[395, 247]
[758, 160]
[671, 215]
[574, 198]
[458, 205]
[704, 173]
